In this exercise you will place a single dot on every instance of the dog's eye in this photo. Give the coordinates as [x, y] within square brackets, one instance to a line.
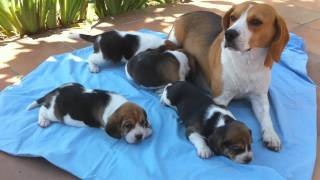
[233, 18]
[236, 148]
[128, 126]
[255, 22]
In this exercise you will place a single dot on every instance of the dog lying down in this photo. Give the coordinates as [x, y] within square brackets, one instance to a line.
[117, 46]
[155, 68]
[74, 105]
[209, 127]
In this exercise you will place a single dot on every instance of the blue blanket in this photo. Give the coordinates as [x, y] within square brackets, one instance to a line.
[89, 153]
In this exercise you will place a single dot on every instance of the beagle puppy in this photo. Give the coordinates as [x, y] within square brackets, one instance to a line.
[208, 125]
[154, 68]
[116, 46]
[235, 54]
[74, 105]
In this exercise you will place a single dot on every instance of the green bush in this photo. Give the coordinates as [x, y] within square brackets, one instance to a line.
[105, 8]
[31, 16]
[72, 10]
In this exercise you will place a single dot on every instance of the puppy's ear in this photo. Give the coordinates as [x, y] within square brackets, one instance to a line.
[114, 126]
[226, 19]
[251, 139]
[279, 42]
[168, 45]
[216, 139]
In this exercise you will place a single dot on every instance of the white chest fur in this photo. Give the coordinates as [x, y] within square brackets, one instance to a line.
[244, 73]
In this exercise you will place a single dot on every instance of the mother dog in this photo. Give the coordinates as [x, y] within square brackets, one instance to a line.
[236, 59]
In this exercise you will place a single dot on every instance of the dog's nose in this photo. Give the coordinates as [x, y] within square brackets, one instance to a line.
[247, 159]
[138, 137]
[231, 34]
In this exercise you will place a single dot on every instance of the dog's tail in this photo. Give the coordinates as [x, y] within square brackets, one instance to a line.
[84, 37]
[42, 100]
[36, 103]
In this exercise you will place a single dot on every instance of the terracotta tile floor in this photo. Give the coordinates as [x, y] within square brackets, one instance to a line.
[19, 57]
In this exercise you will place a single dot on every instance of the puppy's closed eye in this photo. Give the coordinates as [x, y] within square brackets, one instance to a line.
[236, 148]
[127, 125]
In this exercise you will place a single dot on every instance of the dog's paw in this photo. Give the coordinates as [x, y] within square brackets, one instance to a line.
[94, 68]
[204, 152]
[271, 140]
[44, 123]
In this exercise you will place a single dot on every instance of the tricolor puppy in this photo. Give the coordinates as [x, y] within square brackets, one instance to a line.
[74, 105]
[117, 46]
[155, 68]
[235, 54]
[209, 126]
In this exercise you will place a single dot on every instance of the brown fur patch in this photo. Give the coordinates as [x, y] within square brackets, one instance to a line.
[195, 32]
[215, 66]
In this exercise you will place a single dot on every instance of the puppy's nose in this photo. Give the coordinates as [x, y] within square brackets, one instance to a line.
[231, 34]
[247, 159]
[138, 137]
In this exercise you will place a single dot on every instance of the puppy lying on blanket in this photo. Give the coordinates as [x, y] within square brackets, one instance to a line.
[155, 68]
[74, 105]
[118, 46]
[209, 124]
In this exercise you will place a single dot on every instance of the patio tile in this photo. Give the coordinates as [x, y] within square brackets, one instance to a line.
[314, 24]
[297, 14]
[291, 24]
[16, 168]
[314, 67]
[24, 55]
[310, 4]
[310, 36]
[7, 76]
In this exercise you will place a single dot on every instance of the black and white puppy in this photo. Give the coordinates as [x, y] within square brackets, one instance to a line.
[74, 105]
[155, 68]
[209, 127]
[118, 46]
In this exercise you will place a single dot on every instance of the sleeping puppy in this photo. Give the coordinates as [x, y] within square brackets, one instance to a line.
[74, 105]
[209, 126]
[117, 46]
[155, 68]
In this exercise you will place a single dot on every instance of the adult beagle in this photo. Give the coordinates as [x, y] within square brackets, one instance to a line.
[74, 105]
[236, 59]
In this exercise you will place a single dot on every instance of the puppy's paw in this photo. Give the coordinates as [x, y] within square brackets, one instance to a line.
[204, 152]
[43, 123]
[271, 140]
[94, 68]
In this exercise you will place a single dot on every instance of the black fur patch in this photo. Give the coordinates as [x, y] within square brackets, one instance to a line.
[153, 68]
[80, 105]
[113, 46]
[192, 106]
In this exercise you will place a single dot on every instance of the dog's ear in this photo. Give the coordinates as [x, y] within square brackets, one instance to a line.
[226, 18]
[168, 45]
[279, 42]
[216, 140]
[114, 126]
